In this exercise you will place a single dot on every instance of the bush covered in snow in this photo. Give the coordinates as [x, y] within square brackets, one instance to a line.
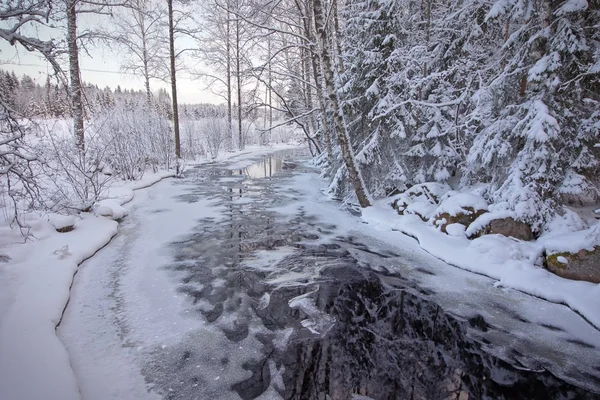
[73, 178]
[135, 138]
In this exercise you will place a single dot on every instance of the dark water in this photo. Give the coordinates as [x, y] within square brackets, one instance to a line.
[357, 329]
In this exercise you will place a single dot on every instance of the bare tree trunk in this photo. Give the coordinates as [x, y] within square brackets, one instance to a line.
[147, 80]
[238, 75]
[229, 138]
[174, 83]
[342, 132]
[139, 15]
[317, 76]
[270, 77]
[307, 88]
[336, 37]
[142, 27]
[263, 140]
[76, 90]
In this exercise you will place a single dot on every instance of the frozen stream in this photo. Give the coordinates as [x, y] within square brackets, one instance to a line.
[243, 280]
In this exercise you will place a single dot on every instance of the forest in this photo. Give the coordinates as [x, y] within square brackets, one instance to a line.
[500, 99]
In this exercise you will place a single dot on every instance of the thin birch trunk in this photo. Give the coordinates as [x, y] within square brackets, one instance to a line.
[142, 27]
[76, 90]
[318, 78]
[336, 36]
[238, 74]
[174, 83]
[228, 141]
[343, 137]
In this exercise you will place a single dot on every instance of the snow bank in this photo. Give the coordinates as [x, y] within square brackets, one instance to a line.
[456, 230]
[512, 262]
[421, 199]
[423, 209]
[33, 362]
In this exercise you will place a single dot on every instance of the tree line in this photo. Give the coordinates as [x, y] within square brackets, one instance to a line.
[27, 96]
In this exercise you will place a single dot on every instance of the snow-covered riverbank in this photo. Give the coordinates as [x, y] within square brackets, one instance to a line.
[513, 263]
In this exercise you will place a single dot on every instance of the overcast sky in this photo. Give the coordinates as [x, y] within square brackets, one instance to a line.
[102, 68]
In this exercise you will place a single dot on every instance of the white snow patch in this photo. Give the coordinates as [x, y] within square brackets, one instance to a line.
[562, 260]
[264, 301]
[317, 322]
[572, 242]
[571, 6]
[109, 208]
[456, 230]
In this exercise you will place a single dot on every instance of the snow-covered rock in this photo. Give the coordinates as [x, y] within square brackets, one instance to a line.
[432, 191]
[462, 203]
[422, 209]
[62, 223]
[502, 223]
[575, 255]
[459, 208]
[109, 208]
[582, 266]
[428, 193]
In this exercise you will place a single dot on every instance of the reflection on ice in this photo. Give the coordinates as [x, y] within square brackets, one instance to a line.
[291, 311]
[267, 167]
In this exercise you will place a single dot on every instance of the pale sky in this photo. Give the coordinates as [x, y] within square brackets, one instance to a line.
[17, 59]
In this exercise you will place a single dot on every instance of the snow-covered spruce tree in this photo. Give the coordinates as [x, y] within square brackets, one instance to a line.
[411, 68]
[369, 40]
[539, 114]
[444, 50]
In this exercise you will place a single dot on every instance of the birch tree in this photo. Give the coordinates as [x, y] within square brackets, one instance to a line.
[138, 29]
[181, 23]
[215, 55]
[173, 74]
[340, 126]
[73, 8]
[74, 74]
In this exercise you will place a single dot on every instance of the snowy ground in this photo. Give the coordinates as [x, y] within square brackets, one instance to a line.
[144, 318]
[35, 278]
